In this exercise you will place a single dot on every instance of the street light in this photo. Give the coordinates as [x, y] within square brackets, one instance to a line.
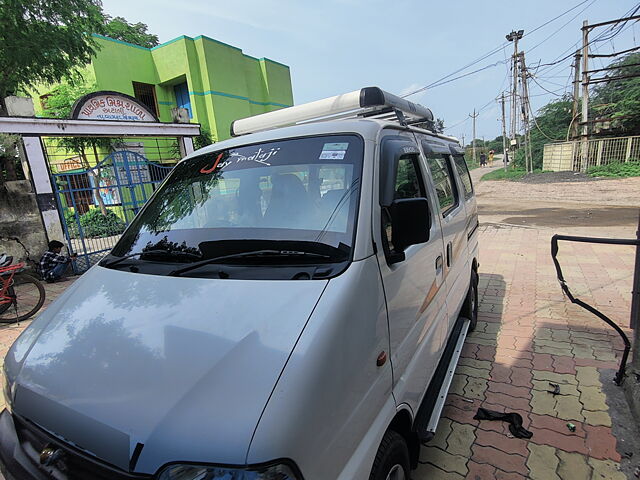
[515, 35]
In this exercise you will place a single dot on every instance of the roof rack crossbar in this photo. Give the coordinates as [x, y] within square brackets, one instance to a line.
[369, 102]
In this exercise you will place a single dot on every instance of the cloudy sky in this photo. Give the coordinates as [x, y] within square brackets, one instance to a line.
[335, 46]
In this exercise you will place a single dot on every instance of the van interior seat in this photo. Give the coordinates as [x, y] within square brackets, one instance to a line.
[290, 204]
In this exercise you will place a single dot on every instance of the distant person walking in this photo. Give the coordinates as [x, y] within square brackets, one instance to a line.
[483, 160]
[54, 266]
[491, 154]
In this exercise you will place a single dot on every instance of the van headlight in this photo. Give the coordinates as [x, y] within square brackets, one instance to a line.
[199, 472]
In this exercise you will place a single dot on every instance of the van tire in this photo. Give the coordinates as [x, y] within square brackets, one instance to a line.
[470, 306]
[393, 454]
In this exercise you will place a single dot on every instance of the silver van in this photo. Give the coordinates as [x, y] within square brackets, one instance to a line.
[290, 304]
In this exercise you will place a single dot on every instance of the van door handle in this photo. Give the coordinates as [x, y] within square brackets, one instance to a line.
[439, 263]
[449, 248]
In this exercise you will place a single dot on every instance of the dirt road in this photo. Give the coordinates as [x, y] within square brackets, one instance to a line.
[561, 202]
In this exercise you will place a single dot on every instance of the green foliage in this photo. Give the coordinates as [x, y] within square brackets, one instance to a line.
[551, 124]
[95, 224]
[71, 222]
[619, 99]
[10, 166]
[43, 41]
[135, 33]
[205, 138]
[60, 102]
[509, 174]
[616, 169]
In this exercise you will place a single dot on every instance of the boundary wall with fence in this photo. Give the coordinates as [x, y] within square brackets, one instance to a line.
[567, 156]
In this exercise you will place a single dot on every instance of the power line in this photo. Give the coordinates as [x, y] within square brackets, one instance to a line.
[441, 81]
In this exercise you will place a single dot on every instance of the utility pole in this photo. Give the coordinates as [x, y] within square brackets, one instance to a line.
[573, 133]
[584, 156]
[525, 114]
[462, 140]
[474, 116]
[514, 37]
[504, 135]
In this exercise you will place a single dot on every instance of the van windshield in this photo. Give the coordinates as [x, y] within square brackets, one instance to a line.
[298, 196]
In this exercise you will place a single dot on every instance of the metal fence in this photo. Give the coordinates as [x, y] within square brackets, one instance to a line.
[97, 201]
[568, 156]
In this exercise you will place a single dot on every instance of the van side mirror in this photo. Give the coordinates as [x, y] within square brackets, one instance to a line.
[411, 223]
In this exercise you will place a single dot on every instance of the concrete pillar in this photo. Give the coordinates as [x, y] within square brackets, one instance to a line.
[43, 189]
[186, 146]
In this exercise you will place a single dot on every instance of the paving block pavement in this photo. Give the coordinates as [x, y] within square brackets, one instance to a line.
[527, 337]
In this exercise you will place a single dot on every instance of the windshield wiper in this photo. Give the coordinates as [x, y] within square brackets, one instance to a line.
[167, 253]
[253, 253]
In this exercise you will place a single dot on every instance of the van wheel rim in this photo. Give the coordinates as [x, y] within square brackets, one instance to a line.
[396, 473]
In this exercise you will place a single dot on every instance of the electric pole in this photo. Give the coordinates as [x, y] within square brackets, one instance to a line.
[462, 140]
[474, 116]
[584, 157]
[525, 115]
[504, 135]
[514, 37]
[576, 98]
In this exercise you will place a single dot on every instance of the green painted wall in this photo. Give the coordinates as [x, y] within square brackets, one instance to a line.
[224, 83]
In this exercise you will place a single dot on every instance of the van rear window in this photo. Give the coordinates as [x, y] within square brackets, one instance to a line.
[463, 172]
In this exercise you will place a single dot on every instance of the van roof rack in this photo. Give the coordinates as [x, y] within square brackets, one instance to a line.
[370, 102]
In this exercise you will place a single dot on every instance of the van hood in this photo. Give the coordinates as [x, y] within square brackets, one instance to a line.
[183, 366]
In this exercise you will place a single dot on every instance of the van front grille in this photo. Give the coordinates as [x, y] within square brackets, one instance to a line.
[73, 463]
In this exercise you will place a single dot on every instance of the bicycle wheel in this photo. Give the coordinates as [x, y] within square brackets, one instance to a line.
[29, 297]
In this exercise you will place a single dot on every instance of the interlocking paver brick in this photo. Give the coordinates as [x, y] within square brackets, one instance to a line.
[501, 460]
[572, 466]
[542, 403]
[444, 460]
[568, 407]
[458, 383]
[605, 469]
[542, 462]
[592, 398]
[479, 471]
[429, 472]
[460, 439]
[601, 443]
[597, 418]
[475, 388]
[480, 364]
[506, 444]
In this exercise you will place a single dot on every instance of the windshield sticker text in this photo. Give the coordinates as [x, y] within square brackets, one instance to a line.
[261, 157]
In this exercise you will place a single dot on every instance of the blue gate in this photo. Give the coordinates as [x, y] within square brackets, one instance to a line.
[97, 204]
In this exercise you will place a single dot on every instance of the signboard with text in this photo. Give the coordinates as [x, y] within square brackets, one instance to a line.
[113, 106]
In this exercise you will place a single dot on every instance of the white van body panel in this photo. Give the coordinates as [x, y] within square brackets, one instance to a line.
[331, 391]
[152, 358]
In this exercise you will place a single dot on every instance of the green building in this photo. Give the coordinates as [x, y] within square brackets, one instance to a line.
[215, 82]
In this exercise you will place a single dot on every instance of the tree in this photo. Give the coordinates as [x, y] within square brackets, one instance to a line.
[618, 100]
[551, 124]
[135, 33]
[10, 168]
[43, 41]
[438, 126]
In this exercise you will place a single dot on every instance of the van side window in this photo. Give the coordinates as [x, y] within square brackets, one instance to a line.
[442, 180]
[408, 184]
[463, 172]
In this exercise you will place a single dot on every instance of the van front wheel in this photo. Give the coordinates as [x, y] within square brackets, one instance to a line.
[470, 307]
[392, 459]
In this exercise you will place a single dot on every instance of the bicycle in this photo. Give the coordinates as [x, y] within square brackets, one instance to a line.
[21, 295]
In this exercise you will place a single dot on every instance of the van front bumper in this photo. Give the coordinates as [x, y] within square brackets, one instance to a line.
[14, 462]
[21, 443]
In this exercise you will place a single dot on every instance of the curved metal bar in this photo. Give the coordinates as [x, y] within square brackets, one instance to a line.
[619, 378]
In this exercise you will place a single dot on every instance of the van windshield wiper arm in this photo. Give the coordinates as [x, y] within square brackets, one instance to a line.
[252, 253]
[167, 253]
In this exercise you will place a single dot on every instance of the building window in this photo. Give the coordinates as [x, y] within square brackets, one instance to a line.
[146, 93]
[182, 97]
